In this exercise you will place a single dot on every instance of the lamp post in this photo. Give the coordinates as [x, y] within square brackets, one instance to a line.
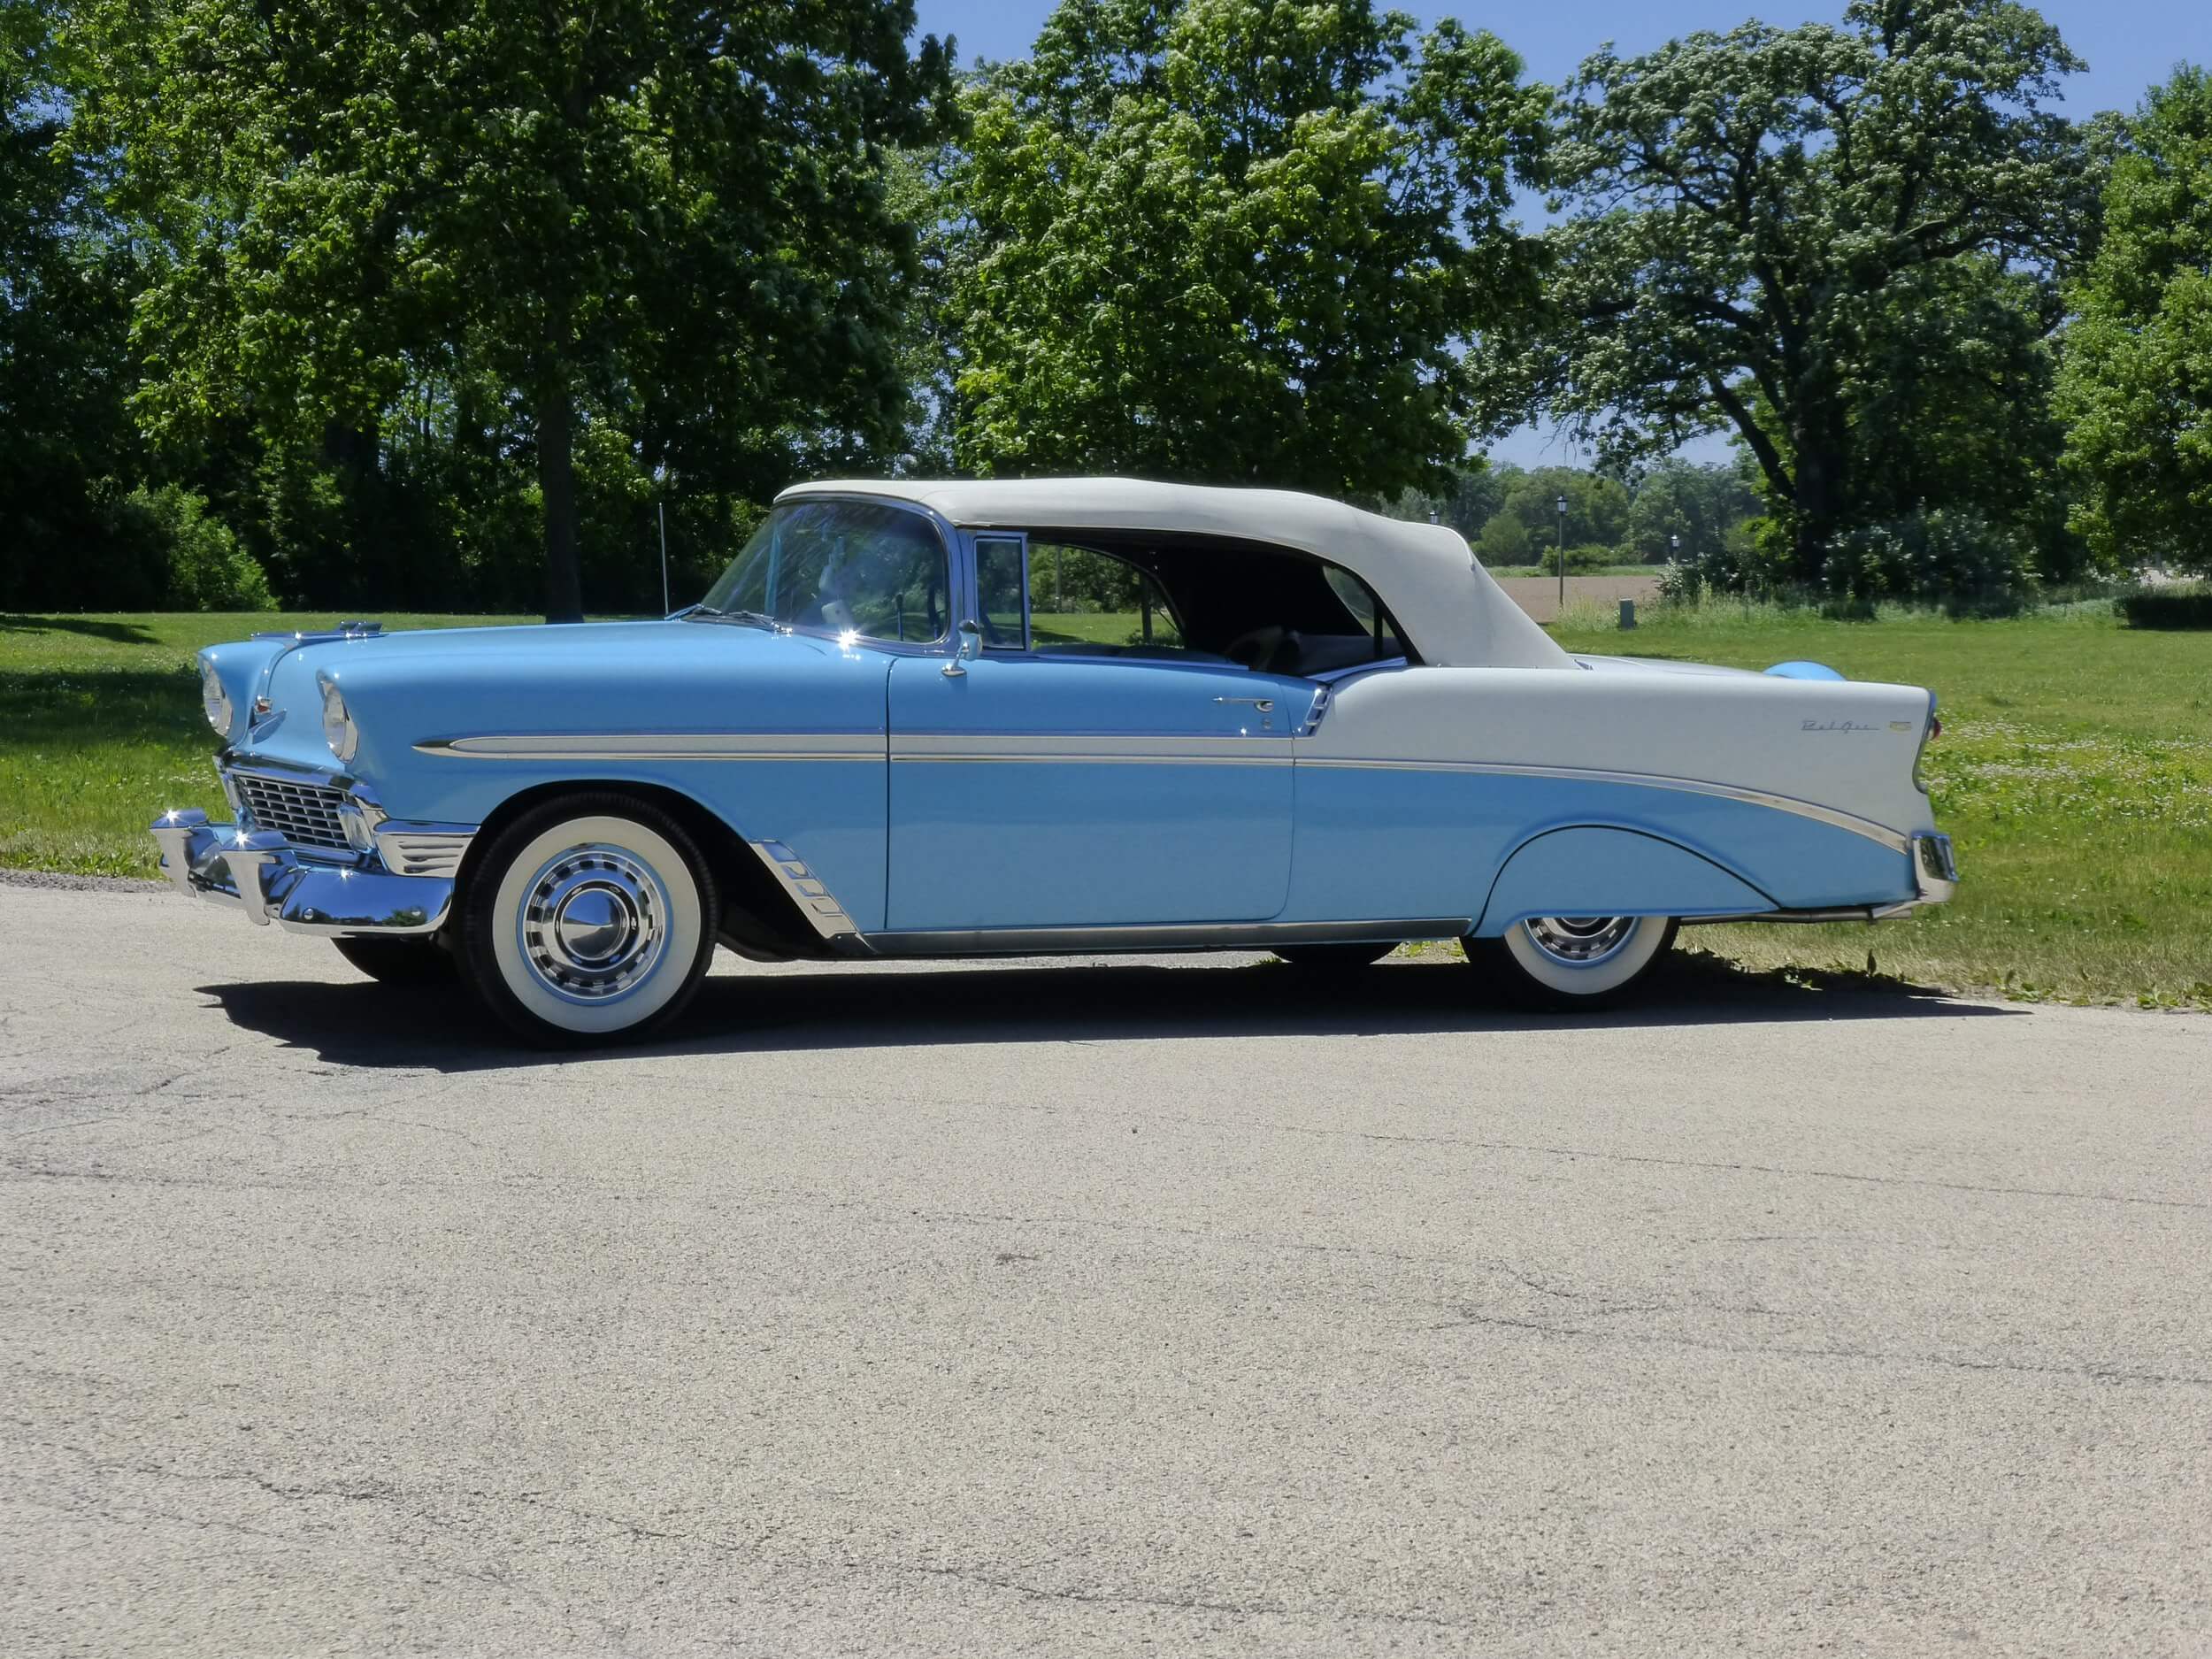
[1562, 553]
[1674, 547]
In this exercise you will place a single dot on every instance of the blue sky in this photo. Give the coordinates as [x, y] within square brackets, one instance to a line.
[2128, 44]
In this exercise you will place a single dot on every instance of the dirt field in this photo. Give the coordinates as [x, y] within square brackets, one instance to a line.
[1539, 595]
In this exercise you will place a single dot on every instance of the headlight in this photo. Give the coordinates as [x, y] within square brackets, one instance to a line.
[339, 731]
[215, 700]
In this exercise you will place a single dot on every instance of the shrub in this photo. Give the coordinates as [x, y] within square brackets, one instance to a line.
[2168, 608]
[207, 569]
[1951, 556]
[1504, 540]
[1745, 563]
[1578, 558]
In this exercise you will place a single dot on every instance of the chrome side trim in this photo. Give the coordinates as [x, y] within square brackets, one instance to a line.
[1046, 942]
[1055, 747]
[1896, 840]
[660, 746]
[815, 901]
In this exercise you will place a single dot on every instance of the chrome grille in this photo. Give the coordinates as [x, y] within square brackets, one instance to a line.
[304, 814]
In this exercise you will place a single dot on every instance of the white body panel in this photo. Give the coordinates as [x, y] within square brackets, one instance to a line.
[1846, 746]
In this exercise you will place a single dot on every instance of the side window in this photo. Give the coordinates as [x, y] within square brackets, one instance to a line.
[1353, 592]
[1003, 593]
[1355, 597]
[1079, 596]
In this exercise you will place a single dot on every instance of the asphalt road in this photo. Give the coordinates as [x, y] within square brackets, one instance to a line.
[1186, 1309]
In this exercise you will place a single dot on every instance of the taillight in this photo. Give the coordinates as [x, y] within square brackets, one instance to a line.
[1929, 734]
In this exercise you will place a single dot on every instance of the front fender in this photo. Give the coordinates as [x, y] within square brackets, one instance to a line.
[1595, 871]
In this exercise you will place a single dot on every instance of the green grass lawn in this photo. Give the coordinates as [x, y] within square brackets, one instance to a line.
[2075, 772]
[101, 728]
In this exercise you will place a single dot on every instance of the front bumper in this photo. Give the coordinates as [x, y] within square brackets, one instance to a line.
[261, 874]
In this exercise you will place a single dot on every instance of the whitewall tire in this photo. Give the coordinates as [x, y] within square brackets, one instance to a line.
[1573, 961]
[590, 920]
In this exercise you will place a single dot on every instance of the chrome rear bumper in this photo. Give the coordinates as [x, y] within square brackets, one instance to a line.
[260, 873]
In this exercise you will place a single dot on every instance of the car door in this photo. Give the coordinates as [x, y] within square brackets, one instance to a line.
[1061, 790]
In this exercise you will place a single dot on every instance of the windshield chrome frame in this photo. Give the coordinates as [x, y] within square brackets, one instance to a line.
[948, 541]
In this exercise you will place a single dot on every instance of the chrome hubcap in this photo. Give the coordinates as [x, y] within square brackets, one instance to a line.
[1579, 942]
[593, 927]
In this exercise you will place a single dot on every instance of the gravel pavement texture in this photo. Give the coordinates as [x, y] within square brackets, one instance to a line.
[1191, 1307]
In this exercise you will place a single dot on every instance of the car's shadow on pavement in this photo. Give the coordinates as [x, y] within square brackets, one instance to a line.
[839, 1007]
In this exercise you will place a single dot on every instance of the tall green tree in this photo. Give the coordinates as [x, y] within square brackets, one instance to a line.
[1597, 507]
[1685, 511]
[636, 206]
[1796, 236]
[1233, 241]
[68, 455]
[2136, 385]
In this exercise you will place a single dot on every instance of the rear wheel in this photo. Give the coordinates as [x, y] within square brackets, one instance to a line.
[588, 921]
[1333, 958]
[1566, 962]
[398, 961]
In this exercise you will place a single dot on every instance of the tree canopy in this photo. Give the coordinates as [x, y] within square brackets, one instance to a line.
[1233, 241]
[1824, 240]
[348, 306]
[661, 218]
[2136, 389]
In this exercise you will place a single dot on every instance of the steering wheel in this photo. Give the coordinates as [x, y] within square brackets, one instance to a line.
[1269, 650]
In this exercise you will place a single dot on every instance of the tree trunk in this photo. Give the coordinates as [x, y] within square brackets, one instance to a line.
[556, 484]
[1821, 461]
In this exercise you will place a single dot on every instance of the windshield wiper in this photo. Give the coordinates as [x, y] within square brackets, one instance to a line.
[709, 613]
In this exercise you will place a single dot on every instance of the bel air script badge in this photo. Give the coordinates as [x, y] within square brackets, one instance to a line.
[1845, 726]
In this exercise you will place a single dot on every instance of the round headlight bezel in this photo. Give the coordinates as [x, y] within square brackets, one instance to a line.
[215, 700]
[338, 730]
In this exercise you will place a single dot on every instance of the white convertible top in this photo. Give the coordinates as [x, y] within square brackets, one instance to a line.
[1451, 610]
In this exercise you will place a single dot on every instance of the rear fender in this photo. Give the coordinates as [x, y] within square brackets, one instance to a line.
[1595, 871]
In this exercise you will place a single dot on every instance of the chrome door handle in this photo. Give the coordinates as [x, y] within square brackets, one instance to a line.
[1265, 705]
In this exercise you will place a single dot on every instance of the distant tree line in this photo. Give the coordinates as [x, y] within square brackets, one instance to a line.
[333, 303]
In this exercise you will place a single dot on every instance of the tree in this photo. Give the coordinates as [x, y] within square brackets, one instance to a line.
[1686, 512]
[678, 212]
[1232, 240]
[1771, 226]
[1597, 508]
[69, 455]
[2136, 384]
[1504, 540]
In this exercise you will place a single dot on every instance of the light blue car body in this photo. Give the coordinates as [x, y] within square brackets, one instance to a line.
[1027, 801]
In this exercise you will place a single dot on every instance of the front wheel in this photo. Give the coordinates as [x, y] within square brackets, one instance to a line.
[588, 921]
[1567, 962]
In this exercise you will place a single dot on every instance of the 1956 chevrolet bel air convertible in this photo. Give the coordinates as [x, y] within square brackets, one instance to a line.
[1314, 730]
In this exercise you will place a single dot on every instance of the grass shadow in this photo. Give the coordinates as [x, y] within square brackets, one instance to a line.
[831, 1008]
[117, 633]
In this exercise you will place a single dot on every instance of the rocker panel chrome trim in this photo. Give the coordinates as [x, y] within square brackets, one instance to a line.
[1896, 840]
[1046, 942]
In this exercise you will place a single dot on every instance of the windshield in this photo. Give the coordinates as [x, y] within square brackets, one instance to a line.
[856, 567]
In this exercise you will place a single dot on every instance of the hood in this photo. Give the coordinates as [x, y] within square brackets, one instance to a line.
[406, 688]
